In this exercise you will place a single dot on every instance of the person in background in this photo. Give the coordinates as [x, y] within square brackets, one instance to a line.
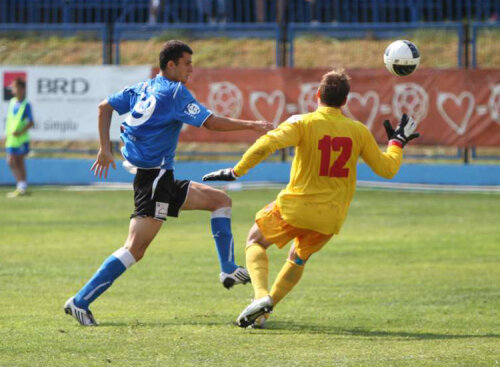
[260, 11]
[17, 139]
[209, 14]
[154, 9]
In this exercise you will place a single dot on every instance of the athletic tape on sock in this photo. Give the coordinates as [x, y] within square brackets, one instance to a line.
[124, 255]
[222, 213]
[298, 261]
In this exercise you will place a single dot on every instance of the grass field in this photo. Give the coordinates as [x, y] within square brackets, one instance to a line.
[412, 280]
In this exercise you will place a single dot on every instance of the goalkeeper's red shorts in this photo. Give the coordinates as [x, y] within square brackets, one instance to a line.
[276, 230]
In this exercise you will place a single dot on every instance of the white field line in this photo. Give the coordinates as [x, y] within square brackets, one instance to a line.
[237, 186]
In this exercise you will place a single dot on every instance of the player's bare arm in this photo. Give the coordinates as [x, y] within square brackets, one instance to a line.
[219, 123]
[104, 156]
[24, 129]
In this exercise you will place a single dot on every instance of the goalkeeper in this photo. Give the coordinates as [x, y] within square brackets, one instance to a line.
[314, 204]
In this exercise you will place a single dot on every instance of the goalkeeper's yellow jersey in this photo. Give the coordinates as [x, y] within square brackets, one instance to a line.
[323, 175]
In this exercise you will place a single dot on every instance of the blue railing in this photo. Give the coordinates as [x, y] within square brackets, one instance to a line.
[246, 11]
[125, 31]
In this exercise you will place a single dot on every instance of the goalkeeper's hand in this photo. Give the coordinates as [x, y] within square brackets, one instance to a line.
[405, 131]
[226, 174]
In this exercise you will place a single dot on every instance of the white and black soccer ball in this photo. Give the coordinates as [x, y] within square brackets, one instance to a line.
[401, 58]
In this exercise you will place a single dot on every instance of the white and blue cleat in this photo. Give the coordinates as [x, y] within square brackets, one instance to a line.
[239, 276]
[84, 317]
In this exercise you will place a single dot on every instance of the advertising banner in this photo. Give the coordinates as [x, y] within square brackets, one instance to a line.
[64, 99]
[454, 107]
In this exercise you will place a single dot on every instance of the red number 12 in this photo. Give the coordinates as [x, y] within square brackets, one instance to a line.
[326, 145]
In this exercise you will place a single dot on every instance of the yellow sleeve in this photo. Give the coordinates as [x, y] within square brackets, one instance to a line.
[285, 135]
[385, 164]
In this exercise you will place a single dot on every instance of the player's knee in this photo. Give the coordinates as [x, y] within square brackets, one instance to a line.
[295, 258]
[220, 200]
[255, 236]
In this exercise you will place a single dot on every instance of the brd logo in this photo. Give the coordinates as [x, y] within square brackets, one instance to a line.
[71, 86]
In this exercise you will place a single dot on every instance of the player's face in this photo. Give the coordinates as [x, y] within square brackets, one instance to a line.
[183, 68]
[18, 92]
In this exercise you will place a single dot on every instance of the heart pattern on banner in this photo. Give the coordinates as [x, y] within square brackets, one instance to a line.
[364, 102]
[467, 97]
[494, 103]
[274, 102]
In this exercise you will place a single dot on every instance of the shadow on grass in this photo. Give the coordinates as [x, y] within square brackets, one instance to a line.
[294, 328]
[161, 324]
[320, 329]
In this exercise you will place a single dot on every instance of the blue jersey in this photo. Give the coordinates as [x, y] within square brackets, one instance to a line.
[157, 109]
[27, 111]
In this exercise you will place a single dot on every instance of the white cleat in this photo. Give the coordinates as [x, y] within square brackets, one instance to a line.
[260, 322]
[254, 310]
[84, 317]
[239, 276]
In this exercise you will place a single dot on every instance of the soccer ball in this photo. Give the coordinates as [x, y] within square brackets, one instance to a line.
[401, 58]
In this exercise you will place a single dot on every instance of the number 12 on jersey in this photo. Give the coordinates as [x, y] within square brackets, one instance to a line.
[326, 145]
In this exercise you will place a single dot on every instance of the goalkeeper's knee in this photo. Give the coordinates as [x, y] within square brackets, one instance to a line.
[295, 258]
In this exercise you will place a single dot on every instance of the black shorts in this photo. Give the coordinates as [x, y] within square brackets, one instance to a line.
[157, 194]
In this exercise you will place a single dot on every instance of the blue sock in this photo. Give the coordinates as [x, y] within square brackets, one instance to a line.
[111, 268]
[221, 230]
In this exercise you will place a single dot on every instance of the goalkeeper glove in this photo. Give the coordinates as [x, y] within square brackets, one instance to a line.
[226, 174]
[405, 131]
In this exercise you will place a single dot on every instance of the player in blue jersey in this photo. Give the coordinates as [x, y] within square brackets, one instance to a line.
[157, 110]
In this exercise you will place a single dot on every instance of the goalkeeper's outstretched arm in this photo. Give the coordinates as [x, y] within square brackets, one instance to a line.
[386, 164]
[259, 151]
[285, 135]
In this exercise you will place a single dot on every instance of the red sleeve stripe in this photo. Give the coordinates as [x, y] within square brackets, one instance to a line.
[395, 142]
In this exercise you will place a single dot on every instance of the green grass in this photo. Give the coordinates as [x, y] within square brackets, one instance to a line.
[412, 280]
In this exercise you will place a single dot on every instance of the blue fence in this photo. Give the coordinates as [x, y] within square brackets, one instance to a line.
[126, 31]
[246, 11]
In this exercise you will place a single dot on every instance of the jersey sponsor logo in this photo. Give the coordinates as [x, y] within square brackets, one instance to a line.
[193, 109]
[161, 210]
[142, 111]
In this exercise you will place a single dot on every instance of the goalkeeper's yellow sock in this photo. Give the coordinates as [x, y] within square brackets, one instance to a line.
[288, 276]
[258, 267]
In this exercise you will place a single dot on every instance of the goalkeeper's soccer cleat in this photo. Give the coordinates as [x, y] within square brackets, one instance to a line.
[260, 322]
[239, 276]
[254, 310]
[84, 317]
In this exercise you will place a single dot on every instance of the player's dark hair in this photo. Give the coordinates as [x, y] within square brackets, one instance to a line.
[20, 83]
[173, 50]
[334, 88]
